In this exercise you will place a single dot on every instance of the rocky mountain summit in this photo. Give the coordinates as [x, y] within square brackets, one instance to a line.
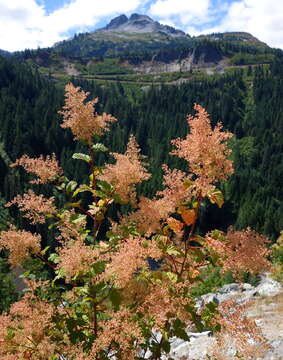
[139, 24]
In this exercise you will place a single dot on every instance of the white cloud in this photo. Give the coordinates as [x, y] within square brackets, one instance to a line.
[25, 24]
[186, 10]
[168, 22]
[261, 18]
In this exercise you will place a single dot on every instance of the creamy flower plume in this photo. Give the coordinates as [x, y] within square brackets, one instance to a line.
[241, 251]
[45, 169]
[79, 115]
[35, 207]
[151, 213]
[20, 244]
[119, 334]
[128, 171]
[131, 256]
[30, 319]
[76, 257]
[171, 300]
[205, 150]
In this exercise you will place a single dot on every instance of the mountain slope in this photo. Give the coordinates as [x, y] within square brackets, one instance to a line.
[139, 24]
[139, 50]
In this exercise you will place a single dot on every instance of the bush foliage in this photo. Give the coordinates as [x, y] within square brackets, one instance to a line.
[109, 297]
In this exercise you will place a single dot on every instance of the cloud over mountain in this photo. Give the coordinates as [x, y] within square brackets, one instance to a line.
[32, 23]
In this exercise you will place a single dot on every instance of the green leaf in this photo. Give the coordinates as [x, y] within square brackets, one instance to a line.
[179, 330]
[115, 298]
[81, 156]
[166, 346]
[43, 252]
[99, 147]
[71, 186]
[211, 306]
[10, 334]
[51, 226]
[73, 204]
[216, 197]
[172, 250]
[98, 268]
[172, 277]
[104, 186]
[61, 273]
[82, 188]
[76, 218]
[54, 258]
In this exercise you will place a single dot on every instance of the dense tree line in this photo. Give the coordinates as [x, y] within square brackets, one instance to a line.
[247, 102]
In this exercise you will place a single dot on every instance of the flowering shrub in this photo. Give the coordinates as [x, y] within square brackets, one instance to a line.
[107, 299]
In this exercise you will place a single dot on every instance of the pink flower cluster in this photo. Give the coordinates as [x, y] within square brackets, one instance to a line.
[241, 251]
[79, 115]
[45, 169]
[205, 150]
[20, 244]
[128, 171]
[35, 207]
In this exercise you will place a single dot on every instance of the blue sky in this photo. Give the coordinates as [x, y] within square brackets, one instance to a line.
[41, 23]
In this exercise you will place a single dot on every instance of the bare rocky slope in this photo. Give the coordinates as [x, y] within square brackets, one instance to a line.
[266, 307]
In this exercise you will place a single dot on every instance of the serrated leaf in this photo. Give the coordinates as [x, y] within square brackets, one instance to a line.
[81, 156]
[54, 258]
[61, 273]
[189, 216]
[82, 188]
[104, 186]
[181, 334]
[76, 218]
[99, 147]
[172, 250]
[71, 186]
[216, 197]
[98, 267]
[172, 277]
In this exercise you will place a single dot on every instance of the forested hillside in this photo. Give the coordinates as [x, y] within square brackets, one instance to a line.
[247, 101]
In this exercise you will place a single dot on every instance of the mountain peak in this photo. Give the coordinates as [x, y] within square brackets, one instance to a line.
[138, 23]
[116, 22]
[136, 16]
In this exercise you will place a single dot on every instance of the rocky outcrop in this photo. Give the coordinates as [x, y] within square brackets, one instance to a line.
[266, 308]
[184, 65]
[116, 22]
[140, 24]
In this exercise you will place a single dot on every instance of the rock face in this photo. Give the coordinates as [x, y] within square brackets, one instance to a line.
[140, 24]
[266, 308]
[116, 22]
[202, 56]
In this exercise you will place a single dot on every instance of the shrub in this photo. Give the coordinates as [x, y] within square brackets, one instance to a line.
[106, 298]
